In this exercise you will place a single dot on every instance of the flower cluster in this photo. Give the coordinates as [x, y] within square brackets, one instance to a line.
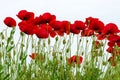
[46, 25]
[51, 42]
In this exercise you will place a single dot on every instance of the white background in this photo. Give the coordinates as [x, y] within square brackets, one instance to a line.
[105, 10]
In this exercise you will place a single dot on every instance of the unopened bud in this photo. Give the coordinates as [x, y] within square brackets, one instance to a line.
[2, 35]
[49, 41]
[104, 63]
[44, 44]
[21, 33]
[0, 55]
[67, 50]
[56, 39]
[64, 41]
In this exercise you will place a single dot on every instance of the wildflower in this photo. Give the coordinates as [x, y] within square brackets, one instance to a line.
[110, 49]
[53, 34]
[56, 25]
[48, 28]
[27, 27]
[25, 15]
[87, 32]
[73, 29]
[34, 55]
[79, 25]
[114, 40]
[47, 17]
[75, 59]
[41, 33]
[89, 20]
[110, 28]
[96, 26]
[66, 26]
[10, 22]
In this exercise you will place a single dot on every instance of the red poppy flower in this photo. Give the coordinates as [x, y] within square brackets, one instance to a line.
[56, 25]
[66, 26]
[10, 22]
[73, 29]
[47, 27]
[110, 49]
[89, 20]
[111, 43]
[79, 25]
[47, 17]
[27, 27]
[37, 21]
[100, 36]
[75, 59]
[53, 34]
[110, 28]
[114, 39]
[34, 55]
[87, 32]
[41, 33]
[96, 26]
[60, 33]
[25, 15]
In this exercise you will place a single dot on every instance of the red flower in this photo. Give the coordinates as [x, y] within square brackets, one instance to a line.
[48, 28]
[66, 27]
[110, 28]
[113, 40]
[56, 25]
[10, 22]
[96, 26]
[89, 20]
[100, 36]
[34, 55]
[25, 15]
[110, 49]
[87, 32]
[41, 33]
[73, 29]
[111, 44]
[53, 34]
[27, 27]
[79, 25]
[75, 59]
[61, 27]
[47, 17]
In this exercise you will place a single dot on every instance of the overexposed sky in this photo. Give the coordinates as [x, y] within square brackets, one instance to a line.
[71, 10]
